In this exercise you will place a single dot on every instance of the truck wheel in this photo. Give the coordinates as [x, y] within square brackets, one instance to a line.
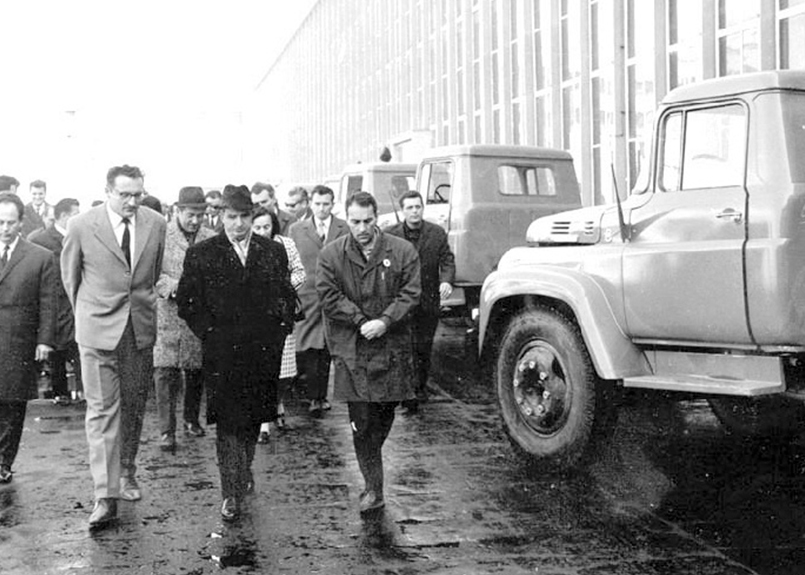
[548, 390]
[776, 418]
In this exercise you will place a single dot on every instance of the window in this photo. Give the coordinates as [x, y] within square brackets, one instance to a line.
[436, 182]
[526, 181]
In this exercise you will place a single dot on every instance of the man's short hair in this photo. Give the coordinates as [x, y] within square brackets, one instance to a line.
[259, 187]
[410, 195]
[64, 206]
[153, 203]
[12, 198]
[323, 191]
[38, 184]
[132, 172]
[213, 195]
[362, 199]
[7, 182]
[300, 192]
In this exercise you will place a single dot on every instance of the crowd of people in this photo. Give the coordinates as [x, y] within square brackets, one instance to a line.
[225, 294]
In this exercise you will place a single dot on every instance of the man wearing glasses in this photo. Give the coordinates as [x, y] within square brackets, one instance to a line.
[299, 203]
[110, 264]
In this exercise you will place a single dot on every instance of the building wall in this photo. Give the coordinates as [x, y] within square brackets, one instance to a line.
[581, 75]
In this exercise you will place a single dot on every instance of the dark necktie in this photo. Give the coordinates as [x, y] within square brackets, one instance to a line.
[4, 258]
[125, 245]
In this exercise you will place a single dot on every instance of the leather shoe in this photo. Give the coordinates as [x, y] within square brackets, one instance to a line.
[315, 408]
[104, 513]
[411, 407]
[325, 405]
[5, 474]
[263, 437]
[194, 429]
[167, 442]
[229, 509]
[129, 490]
[370, 501]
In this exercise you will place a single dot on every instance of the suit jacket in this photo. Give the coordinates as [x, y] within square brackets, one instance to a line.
[236, 311]
[102, 289]
[219, 224]
[354, 291]
[51, 239]
[31, 221]
[286, 220]
[28, 286]
[176, 345]
[437, 261]
[310, 331]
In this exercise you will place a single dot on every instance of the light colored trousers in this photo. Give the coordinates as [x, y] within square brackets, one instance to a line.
[116, 385]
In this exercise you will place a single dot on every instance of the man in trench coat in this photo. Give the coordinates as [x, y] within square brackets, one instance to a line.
[27, 324]
[235, 294]
[369, 283]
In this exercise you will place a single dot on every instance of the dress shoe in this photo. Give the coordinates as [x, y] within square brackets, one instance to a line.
[410, 407]
[194, 429]
[167, 442]
[325, 405]
[229, 509]
[5, 474]
[263, 437]
[370, 501]
[104, 513]
[315, 408]
[129, 490]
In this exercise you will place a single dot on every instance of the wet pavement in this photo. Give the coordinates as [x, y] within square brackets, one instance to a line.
[671, 493]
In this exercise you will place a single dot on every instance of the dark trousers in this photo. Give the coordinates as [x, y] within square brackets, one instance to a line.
[58, 369]
[235, 448]
[371, 424]
[423, 331]
[168, 384]
[313, 366]
[12, 417]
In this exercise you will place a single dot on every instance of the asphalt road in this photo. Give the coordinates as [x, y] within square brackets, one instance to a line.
[670, 493]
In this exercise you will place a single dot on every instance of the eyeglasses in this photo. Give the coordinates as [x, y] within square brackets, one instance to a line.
[291, 206]
[126, 196]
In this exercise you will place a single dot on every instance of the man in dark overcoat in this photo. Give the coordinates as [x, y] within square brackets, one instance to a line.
[312, 356]
[438, 267]
[66, 349]
[369, 284]
[28, 283]
[236, 296]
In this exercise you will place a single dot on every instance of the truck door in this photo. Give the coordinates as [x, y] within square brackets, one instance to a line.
[435, 185]
[683, 272]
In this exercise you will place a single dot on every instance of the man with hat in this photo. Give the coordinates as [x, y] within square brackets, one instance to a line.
[177, 352]
[235, 294]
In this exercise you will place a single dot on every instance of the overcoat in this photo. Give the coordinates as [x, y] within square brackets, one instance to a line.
[31, 220]
[354, 291]
[236, 311]
[310, 331]
[436, 260]
[28, 285]
[176, 345]
[52, 239]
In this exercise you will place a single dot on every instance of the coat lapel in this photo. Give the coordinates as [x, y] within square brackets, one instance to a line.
[102, 228]
[141, 235]
[16, 257]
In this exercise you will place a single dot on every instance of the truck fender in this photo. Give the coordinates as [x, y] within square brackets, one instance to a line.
[612, 352]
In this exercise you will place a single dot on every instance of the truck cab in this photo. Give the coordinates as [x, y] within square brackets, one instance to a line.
[695, 283]
[386, 181]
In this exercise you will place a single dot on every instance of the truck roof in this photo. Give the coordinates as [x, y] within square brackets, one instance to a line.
[379, 167]
[738, 84]
[499, 150]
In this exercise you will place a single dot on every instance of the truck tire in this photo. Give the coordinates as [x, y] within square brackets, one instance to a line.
[772, 418]
[549, 393]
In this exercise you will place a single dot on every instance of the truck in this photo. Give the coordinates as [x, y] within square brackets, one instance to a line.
[386, 181]
[695, 283]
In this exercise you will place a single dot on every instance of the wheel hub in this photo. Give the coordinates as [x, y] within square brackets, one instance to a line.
[540, 390]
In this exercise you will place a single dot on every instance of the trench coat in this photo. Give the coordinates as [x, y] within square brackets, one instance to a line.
[353, 291]
[310, 330]
[236, 311]
[176, 345]
[28, 287]
[52, 239]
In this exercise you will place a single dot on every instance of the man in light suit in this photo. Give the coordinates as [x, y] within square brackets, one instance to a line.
[312, 357]
[110, 264]
[28, 284]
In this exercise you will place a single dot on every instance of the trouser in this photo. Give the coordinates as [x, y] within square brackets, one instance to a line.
[423, 331]
[371, 424]
[235, 448]
[314, 369]
[168, 384]
[12, 417]
[116, 385]
[58, 369]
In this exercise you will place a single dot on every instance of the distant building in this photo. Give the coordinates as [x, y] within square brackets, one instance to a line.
[582, 75]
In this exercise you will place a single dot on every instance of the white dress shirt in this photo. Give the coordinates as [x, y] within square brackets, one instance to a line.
[118, 228]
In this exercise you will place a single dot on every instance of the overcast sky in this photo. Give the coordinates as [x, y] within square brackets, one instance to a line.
[146, 79]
